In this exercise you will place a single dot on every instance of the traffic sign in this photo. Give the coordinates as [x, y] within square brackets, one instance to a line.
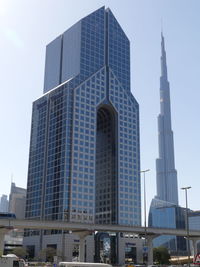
[197, 259]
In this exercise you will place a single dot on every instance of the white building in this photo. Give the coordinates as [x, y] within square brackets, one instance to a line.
[4, 203]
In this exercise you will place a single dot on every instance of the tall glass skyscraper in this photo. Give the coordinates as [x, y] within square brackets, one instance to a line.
[165, 167]
[84, 162]
[164, 210]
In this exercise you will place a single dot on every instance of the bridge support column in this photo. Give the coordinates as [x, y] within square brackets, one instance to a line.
[150, 249]
[82, 236]
[194, 243]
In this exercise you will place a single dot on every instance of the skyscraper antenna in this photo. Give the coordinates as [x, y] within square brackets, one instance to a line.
[161, 24]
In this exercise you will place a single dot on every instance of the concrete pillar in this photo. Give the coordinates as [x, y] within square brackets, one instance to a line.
[90, 248]
[120, 250]
[150, 249]
[82, 249]
[63, 245]
[82, 236]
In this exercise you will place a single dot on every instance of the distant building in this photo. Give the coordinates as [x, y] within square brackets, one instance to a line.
[17, 201]
[4, 203]
[168, 215]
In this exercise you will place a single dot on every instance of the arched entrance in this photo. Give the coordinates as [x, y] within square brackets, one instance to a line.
[106, 166]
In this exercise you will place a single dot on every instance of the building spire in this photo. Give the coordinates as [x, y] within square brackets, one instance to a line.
[163, 58]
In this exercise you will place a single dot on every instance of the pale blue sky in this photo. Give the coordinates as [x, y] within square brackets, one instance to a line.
[27, 26]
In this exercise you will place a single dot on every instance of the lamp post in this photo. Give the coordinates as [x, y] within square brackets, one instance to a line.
[187, 222]
[145, 216]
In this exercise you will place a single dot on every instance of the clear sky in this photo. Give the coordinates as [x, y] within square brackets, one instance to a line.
[26, 27]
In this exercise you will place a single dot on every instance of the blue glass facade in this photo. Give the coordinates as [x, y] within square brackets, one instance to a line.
[48, 161]
[84, 162]
[92, 52]
[118, 52]
[194, 220]
[168, 215]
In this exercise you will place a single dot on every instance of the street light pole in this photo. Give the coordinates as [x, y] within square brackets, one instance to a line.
[187, 222]
[145, 216]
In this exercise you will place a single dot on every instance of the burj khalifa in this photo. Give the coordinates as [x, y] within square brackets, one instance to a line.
[164, 210]
[166, 174]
